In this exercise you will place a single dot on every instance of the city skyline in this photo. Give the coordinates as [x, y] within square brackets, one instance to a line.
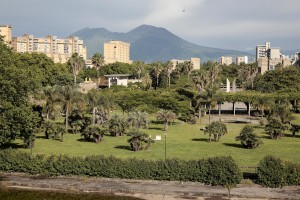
[231, 24]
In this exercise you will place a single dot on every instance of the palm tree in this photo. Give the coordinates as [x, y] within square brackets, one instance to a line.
[138, 119]
[166, 116]
[97, 61]
[117, 125]
[248, 73]
[248, 138]
[138, 139]
[179, 69]
[217, 129]
[169, 69]
[157, 68]
[210, 100]
[93, 101]
[213, 74]
[76, 63]
[275, 128]
[188, 66]
[50, 96]
[200, 80]
[147, 81]
[139, 69]
[67, 95]
[97, 132]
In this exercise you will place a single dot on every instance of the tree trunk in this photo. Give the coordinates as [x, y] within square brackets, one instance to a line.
[219, 105]
[249, 109]
[94, 115]
[75, 78]
[67, 117]
[209, 110]
[233, 104]
[199, 113]
[157, 81]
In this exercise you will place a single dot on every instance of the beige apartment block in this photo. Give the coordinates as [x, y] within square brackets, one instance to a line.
[263, 65]
[262, 50]
[242, 59]
[116, 51]
[225, 60]
[59, 50]
[194, 61]
[6, 31]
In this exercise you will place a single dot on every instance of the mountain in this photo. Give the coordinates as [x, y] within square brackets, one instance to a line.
[150, 43]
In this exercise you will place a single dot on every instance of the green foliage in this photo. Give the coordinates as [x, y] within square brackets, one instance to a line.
[117, 68]
[273, 172]
[138, 139]
[117, 125]
[95, 133]
[167, 117]
[281, 79]
[214, 171]
[223, 171]
[217, 129]
[275, 128]
[248, 138]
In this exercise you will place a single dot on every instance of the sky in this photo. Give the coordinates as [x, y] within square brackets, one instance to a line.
[227, 24]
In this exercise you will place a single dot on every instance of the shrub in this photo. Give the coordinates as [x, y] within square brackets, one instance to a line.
[248, 138]
[273, 172]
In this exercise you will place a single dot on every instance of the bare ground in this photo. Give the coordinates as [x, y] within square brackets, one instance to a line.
[149, 190]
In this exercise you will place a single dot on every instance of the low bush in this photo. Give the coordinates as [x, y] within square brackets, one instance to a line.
[273, 172]
[213, 171]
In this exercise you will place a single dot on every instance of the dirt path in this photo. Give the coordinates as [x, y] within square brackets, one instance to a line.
[152, 190]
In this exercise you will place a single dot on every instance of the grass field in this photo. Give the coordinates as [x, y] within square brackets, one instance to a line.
[184, 141]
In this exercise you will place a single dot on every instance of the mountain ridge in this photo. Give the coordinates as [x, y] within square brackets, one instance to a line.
[149, 43]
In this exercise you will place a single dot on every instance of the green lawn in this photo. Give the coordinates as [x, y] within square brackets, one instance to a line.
[184, 141]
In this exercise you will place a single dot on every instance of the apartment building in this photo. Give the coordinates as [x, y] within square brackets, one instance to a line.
[6, 31]
[262, 50]
[225, 60]
[267, 58]
[59, 50]
[242, 59]
[116, 51]
[194, 61]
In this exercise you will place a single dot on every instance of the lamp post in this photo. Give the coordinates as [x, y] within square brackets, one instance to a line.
[165, 146]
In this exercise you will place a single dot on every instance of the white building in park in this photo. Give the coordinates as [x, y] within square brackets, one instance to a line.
[117, 79]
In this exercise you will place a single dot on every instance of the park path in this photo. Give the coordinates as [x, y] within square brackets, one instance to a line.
[152, 190]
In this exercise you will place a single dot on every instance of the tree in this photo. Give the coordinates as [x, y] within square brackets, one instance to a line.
[200, 80]
[55, 130]
[147, 82]
[166, 116]
[76, 63]
[157, 69]
[282, 110]
[93, 101]
[248, 138]
[67, 96]
[217, 129]
[17, 82]
[50, 97]
[98, 62]
[138, 119]
[188, 66]
[97, 132]
[117, 125]
[138, 139]
[247, 73]
[168, 70]
[275, 128]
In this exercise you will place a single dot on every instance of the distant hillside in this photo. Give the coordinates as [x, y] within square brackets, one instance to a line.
[149, 44]
[290, 52]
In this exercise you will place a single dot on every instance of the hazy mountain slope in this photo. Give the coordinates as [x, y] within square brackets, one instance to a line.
[149, 43]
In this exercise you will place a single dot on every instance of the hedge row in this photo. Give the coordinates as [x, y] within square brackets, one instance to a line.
[212, 171]
[273, 172]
